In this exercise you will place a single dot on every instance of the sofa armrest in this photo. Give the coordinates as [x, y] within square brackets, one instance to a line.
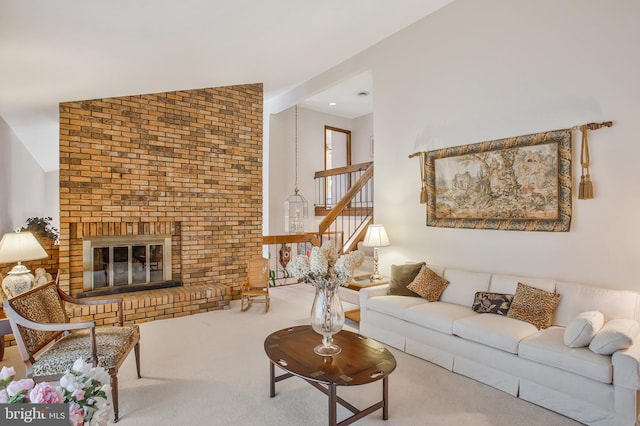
[368, 292]
[626, 367]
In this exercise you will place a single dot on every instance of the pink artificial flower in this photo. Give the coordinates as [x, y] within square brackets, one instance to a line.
[7, 373]
[4, 398]
[17, 386]
[44, 393]
[78, 394]
[76, 415]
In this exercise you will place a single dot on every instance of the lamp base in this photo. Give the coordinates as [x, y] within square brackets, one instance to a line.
[375, 277]
[17, 283]
[19, 269]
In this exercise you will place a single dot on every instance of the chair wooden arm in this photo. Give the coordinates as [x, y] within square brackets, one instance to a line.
[87, 302]
[16, 319]
[44, 326]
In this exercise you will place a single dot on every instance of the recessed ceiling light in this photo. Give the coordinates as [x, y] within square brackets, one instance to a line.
[332, 103]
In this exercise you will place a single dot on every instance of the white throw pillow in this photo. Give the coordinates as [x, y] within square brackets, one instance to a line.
[615, 335]
[583, 329]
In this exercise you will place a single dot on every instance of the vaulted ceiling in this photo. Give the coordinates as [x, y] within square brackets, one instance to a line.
[64, 50]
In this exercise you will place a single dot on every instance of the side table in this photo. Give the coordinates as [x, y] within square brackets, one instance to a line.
[5, 328]
[358, 284]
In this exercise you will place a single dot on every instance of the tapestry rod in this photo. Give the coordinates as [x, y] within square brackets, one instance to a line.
[590, 126]
[594, 126]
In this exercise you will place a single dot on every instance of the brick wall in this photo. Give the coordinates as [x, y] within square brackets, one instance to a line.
[185, 163]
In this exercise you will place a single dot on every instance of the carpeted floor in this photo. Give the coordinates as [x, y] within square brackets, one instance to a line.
[211, 369]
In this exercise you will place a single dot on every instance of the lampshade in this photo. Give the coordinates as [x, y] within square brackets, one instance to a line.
[376, 237]
[19, 247]
[16, 247]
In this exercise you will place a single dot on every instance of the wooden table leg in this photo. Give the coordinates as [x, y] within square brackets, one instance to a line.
[333, 405]
[272, 383]
[385, 396]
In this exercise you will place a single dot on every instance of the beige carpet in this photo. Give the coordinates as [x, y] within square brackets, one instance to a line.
[211, 369]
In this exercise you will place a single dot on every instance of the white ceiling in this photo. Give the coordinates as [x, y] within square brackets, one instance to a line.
[351, 98]
[67, 50]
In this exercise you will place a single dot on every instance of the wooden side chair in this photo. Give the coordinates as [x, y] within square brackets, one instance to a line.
[49, 343]
[256, 286]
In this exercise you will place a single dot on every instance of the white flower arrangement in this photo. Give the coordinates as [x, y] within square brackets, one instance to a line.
[324, 268]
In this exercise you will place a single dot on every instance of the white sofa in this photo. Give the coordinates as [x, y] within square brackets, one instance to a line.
[513, 355]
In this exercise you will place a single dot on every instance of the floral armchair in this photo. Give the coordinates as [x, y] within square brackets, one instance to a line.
[49, 343]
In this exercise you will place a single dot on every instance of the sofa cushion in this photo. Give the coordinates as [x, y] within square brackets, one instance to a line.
[533, 305]
[401, 276]
[581, 330]
[615, 335]
[576, 298]
[393, 305]
[508, 284]
[437, 316]
[547, 347]
[492, 303]
[463, 286]
[494, 330]
[428, 284]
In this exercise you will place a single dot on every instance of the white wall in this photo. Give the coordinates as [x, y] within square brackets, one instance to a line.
[489, 69]
[523, 67]
[361, 134]
[23, 188]
[310, 156]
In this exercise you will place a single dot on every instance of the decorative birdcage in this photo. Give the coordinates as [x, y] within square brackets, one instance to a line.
[296, 212]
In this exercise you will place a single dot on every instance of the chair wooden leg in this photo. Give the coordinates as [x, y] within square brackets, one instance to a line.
[267, 303]
[246, 303]
[136, 349]
[114, 394]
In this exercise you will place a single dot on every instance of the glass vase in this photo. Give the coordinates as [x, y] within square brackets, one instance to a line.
[327, 318]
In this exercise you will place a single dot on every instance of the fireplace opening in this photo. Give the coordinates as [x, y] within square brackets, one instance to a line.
[126, 263]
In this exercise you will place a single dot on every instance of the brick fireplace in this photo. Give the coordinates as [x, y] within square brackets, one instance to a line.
[183, 165]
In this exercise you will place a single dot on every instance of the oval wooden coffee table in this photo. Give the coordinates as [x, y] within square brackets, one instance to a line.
[361, 361]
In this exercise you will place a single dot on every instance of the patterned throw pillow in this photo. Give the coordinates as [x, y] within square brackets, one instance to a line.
[401, 276]
[533, 305]
[492, 303]
[428, 284]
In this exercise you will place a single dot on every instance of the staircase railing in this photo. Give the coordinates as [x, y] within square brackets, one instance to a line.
[347, 220]
[281, 249]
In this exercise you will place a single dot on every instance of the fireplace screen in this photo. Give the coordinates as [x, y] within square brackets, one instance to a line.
[116, 261]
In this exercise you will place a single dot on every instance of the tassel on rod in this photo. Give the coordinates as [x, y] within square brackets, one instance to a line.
[423, 175]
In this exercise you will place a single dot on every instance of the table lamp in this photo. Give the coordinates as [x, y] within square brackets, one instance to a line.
[376, 237]
[19, 247]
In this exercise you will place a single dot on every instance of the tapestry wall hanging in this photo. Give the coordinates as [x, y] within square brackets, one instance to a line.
[520, 183]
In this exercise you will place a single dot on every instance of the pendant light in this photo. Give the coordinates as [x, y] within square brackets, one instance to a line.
[296, 208]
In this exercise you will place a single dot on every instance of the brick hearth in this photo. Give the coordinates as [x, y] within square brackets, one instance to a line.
[153, 305]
